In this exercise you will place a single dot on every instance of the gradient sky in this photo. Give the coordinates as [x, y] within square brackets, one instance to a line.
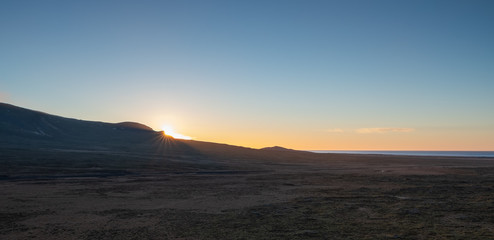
[318, 75]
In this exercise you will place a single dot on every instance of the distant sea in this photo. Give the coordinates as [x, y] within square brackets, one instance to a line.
[420, 153]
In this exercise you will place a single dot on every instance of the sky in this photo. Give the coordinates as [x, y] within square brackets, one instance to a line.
[313, 75]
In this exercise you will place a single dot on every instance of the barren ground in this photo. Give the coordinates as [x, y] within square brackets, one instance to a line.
[346, 197]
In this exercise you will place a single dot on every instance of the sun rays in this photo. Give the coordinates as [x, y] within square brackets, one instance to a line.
[169, 131]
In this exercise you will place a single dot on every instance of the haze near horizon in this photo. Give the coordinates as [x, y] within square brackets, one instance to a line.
[315, 75]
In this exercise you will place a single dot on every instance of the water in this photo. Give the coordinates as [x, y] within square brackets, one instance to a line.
[420, 153]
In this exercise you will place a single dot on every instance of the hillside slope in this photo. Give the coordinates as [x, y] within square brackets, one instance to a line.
[29, 129]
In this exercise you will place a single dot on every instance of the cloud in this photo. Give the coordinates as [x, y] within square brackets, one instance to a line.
[383, 130]
[334, 130]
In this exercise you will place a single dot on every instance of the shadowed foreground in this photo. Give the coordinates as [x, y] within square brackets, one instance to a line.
[117, 196]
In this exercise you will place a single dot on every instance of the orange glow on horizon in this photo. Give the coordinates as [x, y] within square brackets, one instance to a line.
[397, 141]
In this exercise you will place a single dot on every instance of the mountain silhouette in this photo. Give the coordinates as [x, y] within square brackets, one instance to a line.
[24, 128]
[31, 139]
[278, 148]
[34, 144]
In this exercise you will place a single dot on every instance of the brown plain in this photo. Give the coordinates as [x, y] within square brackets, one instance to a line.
[240, 193]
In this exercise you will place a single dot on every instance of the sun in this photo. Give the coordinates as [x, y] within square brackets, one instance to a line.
[170, 132]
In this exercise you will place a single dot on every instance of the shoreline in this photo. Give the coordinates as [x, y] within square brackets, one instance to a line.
[479, 154]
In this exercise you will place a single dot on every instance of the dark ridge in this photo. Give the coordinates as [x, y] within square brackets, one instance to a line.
[34, 143]
[29, 129]
[278, 148]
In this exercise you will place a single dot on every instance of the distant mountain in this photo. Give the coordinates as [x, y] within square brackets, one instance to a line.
[41, 133]
[34, 144]
[37, 145]
[277, 148]
[24, 128]
[282, 149]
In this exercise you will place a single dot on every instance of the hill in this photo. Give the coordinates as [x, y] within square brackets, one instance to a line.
[24, 128]
[37, 139]
[27, 129]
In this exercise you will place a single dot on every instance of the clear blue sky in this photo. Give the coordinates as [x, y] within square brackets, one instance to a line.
[303, 74]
